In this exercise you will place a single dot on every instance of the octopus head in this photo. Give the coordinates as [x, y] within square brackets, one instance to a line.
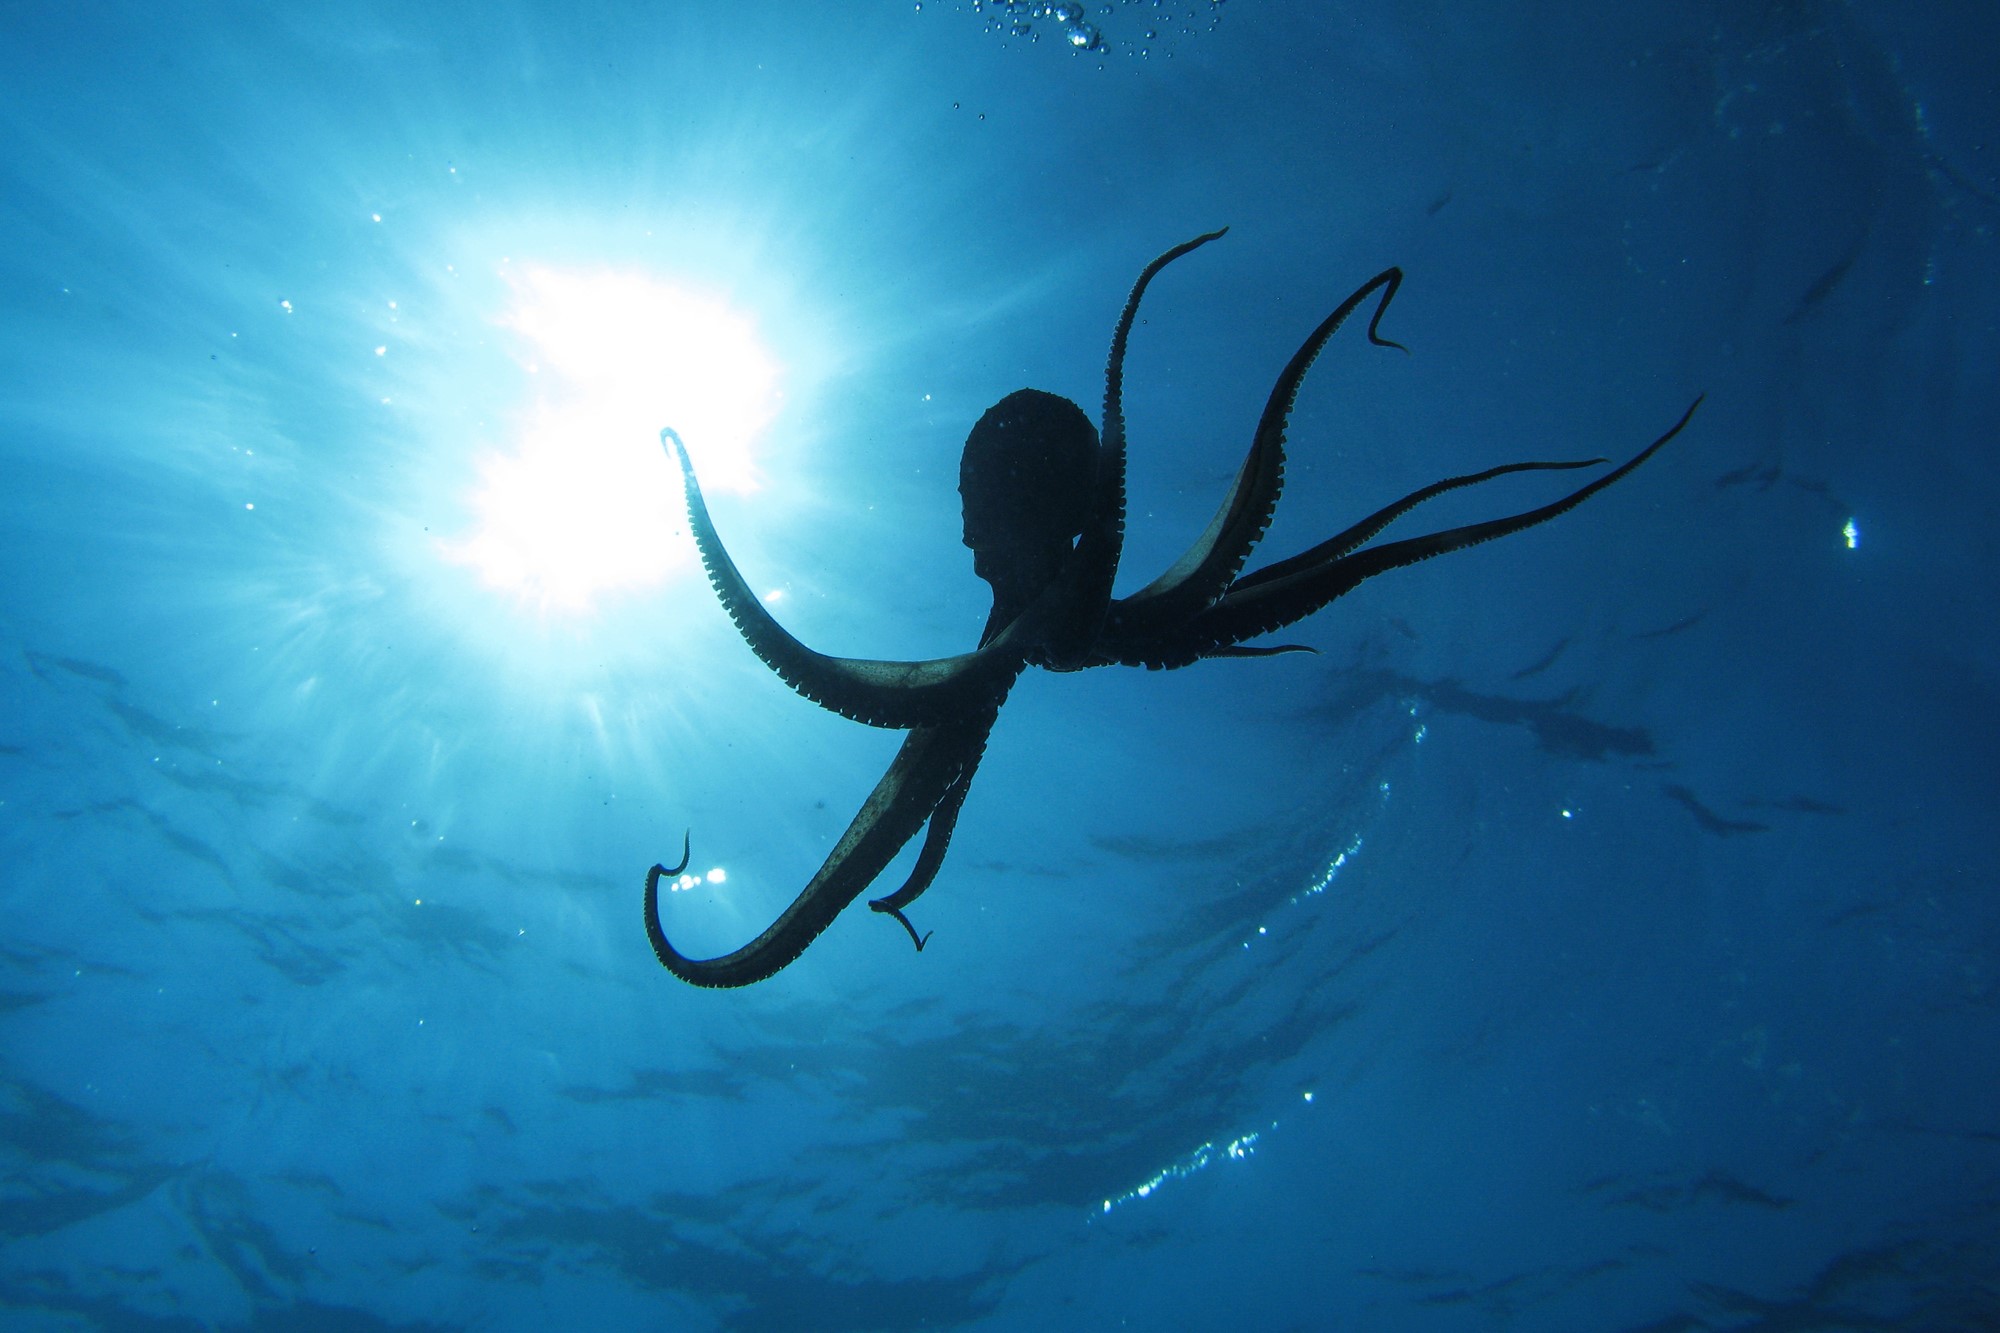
[1026, 479]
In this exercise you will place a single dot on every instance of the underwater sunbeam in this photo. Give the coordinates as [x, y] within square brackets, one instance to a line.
[578, 506]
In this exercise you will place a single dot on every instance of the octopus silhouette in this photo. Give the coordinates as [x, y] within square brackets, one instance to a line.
[1044, 507]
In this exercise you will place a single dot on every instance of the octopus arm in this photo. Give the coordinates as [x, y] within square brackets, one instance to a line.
[1260, 606]
[937, 840]
[1368, 528]
[875, 692]
[1205, 571]
[933, 763]
[1088, 575]
[1288, 592]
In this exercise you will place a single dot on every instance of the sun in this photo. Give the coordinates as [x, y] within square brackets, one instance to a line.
[581, 504]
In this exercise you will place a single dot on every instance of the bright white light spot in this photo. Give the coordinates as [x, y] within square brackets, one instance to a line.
[1852, 533]
[1308, 1096]
[716, 876]
[584, 503]
[376, 216]
[1320, 885]
[773, 596]
[1200, 1159]
[249, 504]
[382, 351]
[1569, 814]
[285, 306]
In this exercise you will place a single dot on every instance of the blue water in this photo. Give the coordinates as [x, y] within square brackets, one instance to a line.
[1599, 933]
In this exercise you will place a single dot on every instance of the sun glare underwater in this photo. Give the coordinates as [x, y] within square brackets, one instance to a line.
[522, 380]
[575, 505]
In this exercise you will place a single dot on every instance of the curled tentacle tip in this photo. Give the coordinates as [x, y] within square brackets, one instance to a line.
[884, 905]
[686, 843]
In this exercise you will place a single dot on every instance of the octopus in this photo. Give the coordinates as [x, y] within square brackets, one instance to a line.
[1043, 493]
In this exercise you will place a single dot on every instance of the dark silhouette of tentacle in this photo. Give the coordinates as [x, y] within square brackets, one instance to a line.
[1365, 531]
[1206, 570]
[1261, 650]
[937, 839]
[878, 693]
[897, 912]
[1088, 577]
[1172, 648]
[1271, 604]
[687, 842]
[932, 762]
